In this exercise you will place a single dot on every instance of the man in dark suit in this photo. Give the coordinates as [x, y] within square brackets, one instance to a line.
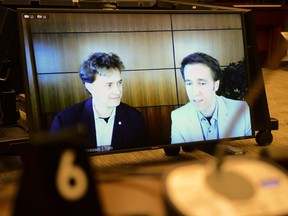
[110, 124]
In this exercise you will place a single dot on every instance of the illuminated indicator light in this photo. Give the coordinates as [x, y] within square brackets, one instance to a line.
[270, 183]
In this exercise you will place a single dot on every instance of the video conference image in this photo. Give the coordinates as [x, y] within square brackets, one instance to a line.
[154, 107]
[145, 79]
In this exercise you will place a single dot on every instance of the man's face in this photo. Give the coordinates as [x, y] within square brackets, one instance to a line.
[106, 90]
[201, 88]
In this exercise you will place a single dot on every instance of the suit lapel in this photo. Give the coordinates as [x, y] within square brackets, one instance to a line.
[193, 131]
[223, 118]
[119, 127]
[88, 118]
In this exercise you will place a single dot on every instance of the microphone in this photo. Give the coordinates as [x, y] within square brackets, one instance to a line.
[228, 183]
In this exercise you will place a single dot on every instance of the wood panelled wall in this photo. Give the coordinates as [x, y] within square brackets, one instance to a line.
[151, 47]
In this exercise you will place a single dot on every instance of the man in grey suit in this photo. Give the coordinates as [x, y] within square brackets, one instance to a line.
[207, 116]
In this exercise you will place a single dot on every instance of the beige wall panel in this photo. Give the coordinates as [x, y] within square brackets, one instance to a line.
[65, 53]
[182, 95]
[149, 88]
[58, 91]
[224, 45]
[158, 124]
[206, 21]
[102, 22]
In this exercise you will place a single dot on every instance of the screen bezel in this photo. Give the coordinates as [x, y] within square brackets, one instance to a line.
[34, 121]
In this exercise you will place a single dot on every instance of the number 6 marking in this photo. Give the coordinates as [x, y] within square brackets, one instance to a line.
[71, 180]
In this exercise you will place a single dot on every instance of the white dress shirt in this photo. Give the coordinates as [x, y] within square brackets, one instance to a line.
[104, 130]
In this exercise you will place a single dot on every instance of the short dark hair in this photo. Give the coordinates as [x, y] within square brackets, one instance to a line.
[99, 60]
[202, 58]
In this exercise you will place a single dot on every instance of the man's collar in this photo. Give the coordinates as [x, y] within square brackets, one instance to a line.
[97, 115]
